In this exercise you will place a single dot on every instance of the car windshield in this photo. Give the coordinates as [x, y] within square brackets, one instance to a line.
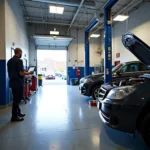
[117, 67]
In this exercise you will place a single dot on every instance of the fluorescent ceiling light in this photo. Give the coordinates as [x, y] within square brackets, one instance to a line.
[56, 9]
[121, 18]
[54, 32]
[95, 35]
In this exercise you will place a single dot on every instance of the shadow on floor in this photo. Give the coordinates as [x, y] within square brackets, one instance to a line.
[120, 140]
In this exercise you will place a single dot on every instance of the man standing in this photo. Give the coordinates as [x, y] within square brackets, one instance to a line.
[16, 82]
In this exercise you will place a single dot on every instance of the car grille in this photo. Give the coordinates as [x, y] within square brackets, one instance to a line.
[102, 93]
[105, 116]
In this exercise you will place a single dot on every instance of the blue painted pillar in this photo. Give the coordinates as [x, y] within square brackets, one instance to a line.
[87, 54]
[87, 46]
[108, 41]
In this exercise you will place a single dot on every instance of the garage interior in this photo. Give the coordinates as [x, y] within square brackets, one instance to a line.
[59, 117]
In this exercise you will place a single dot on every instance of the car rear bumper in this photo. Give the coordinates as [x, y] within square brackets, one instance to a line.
[50, 78]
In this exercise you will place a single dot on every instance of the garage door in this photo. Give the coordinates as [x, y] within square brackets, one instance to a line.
[52, 42]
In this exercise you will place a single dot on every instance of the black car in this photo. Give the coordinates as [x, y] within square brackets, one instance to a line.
[125, 105]
[90, 85]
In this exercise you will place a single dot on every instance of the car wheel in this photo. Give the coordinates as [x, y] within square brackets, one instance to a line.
[95, 93]
[145, 129]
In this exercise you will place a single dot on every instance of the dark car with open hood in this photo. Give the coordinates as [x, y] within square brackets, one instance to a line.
[125, 105]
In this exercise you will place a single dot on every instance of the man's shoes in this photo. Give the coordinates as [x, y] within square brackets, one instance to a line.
[21, 115]
[16, 119]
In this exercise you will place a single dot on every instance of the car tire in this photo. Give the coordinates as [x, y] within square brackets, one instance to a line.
[145, 129]
[95, 93]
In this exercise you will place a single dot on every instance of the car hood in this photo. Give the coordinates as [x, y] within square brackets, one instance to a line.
[137, 47]
[95, 76]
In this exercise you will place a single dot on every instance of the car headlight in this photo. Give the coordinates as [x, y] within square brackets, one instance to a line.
[120, 92]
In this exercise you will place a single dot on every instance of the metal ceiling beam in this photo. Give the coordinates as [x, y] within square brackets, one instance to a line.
[53, 23]
[100, 9]
[85, 10]
[34, 18]
[74, 3]
[134, 2]
[82, 1]
[67, 11]
[23, 4]
[126, 9]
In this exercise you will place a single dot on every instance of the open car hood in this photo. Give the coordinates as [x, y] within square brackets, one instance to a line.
[137, 47]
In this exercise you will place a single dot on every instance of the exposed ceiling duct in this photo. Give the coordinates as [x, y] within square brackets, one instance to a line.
[76, 14]
[75, 3]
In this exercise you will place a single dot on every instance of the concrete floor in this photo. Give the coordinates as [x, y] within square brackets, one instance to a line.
[59, 118]
[57, 81]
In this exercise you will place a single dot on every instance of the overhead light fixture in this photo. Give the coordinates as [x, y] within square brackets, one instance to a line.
[95, 35]
[54, 32]
[56, 10]
[121, 18]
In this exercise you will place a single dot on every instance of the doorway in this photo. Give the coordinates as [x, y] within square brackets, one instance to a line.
[52, 64]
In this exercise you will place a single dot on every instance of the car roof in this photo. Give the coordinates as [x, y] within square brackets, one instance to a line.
[131, 62]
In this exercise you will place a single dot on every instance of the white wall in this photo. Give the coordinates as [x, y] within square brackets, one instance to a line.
[32, 53]
[2, 30]
[15, 28]
[95, 57]
[139, 24]
[76, 49]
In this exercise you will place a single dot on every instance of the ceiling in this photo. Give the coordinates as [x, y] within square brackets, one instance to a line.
[75, 13]
[46, 42]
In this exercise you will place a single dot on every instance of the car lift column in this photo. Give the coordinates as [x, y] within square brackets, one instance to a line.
[87, 46]
[108, 41]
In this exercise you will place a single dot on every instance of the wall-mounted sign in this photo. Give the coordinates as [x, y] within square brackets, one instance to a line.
[117, 55]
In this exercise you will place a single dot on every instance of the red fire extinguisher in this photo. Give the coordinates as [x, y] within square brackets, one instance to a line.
[78, 72]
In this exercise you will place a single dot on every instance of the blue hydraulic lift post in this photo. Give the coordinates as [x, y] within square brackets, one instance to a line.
[108, 41]
[87, 46]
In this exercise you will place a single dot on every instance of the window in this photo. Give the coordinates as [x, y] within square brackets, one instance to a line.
[117, 68]
[134, 67]
[142, 67]
[130, 68]
[125, 69]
